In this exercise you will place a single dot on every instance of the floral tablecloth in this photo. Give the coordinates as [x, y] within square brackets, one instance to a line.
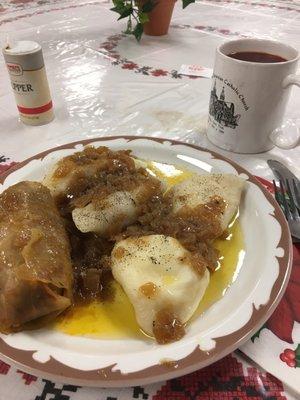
[104, 83]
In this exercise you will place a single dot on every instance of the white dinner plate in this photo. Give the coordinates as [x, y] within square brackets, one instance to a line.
[246, 305]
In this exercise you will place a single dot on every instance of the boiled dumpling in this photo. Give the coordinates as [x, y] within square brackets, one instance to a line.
[85, 166]
[80, 166]
[163, 281]
[108, 215]
[103, 189]
[201, 189]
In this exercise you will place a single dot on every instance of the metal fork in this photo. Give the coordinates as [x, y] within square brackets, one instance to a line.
[284, 197]
[282, 172]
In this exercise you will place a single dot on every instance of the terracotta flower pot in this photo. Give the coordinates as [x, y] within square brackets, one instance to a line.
[160, 18]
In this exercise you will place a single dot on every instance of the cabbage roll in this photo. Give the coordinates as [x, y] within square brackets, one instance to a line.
[35, 266]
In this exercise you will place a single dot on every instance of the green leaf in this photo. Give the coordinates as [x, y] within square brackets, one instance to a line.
[143, 17]
[118, 9]
[138, 31]
[125, 13]
[148, 6]
[118, 3]
[185, 3]
[256, 335]
[297, 353]
[115, 9]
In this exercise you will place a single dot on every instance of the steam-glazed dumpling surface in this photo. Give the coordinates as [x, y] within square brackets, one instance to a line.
[201, 189]
[162, 280]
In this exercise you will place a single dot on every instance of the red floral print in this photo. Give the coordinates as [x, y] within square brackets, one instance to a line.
[27, 377]
[109, 47]
[289, 357]
[21, 1]
[4, 167]
[224, 31]
[287, 313]
[292, 291]
[129, 65]
[159, 72]
[222, 380]
[282, 321]
[4, 368]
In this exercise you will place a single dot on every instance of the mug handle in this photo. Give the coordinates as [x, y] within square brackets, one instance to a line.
[293, 79]
[276, 136]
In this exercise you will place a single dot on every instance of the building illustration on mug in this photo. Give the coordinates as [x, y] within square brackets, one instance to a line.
[222, 111]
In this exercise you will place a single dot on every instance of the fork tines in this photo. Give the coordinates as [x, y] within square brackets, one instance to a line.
[286, 197]
[296, 192]
[289, 201]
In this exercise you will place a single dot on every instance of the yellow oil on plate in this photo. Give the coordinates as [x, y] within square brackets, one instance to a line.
[116, 319]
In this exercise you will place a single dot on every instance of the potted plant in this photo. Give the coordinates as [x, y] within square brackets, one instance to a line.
[150, 16]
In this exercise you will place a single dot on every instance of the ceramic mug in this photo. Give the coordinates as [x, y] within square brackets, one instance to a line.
[248, 99]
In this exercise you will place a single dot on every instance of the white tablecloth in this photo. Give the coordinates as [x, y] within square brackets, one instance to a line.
[105, 83]
[92, 97]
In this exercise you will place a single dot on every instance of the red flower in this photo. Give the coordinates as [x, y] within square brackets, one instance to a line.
[21, 1]
[28, 378]
[4, 368]
[159, 72]
[108, 46]
[287, 313]
[289, 357]
[115, 37]
[129, 65]
[224, 31]
[4, 167]
[282, 320]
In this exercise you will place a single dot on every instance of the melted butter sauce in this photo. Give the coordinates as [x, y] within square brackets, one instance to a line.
[116, 319]
[169, 173]
[107, 320]
[232, 255]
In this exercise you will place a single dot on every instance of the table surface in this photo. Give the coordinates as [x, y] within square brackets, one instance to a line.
[105, 83]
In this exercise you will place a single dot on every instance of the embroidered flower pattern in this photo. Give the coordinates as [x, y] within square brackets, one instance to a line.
[4, 165]
[282, 321]
[291, 357]
[109, 48]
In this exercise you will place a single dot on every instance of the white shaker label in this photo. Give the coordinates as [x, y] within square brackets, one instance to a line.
[32, 94]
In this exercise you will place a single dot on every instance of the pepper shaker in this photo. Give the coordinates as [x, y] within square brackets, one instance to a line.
[25, 64]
